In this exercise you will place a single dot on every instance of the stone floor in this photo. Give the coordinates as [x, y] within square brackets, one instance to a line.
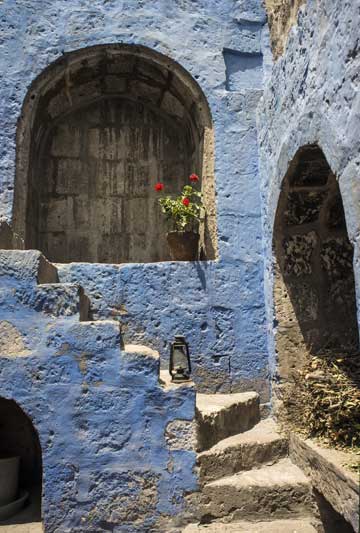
[28, 520]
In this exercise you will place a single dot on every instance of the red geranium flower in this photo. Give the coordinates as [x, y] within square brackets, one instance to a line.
[186, 201]
[159, 187]
[194, 177]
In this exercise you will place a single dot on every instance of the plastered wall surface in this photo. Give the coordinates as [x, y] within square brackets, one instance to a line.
[312, 98]
[100, 413]
[218, 305]
[112, 456]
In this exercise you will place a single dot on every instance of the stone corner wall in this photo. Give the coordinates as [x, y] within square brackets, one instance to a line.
[311, 98]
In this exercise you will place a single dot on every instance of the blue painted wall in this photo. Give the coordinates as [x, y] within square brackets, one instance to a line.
[102, 417]
[224, 46]
[312, 97]
[99, 434]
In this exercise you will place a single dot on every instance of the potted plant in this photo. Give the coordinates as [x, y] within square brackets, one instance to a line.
[184, 212]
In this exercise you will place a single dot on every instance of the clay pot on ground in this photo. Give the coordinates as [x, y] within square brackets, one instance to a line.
[183, 245]
[9, 479]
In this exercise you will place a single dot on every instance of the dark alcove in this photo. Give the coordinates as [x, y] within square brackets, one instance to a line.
[98, 129]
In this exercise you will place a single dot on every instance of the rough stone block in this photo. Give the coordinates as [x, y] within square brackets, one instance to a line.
[257, 446]
[303, 207]
[328, 475]
[9, 240]
[28, 266]
[298, 250]
[59, 299]
[277, 491]
[221, 415]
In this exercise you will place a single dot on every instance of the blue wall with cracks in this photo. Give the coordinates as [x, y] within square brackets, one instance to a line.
[224, 46]
[100, 414]
[110, 459]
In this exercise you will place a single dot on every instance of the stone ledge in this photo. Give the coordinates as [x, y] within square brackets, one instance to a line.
[324, 467]
[302, 525]
[27, 266]
[258, 446]
[166, 383]
[141, 351]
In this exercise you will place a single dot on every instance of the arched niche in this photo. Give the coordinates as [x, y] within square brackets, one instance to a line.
[18, 437]
[314, 287]
[98, 129]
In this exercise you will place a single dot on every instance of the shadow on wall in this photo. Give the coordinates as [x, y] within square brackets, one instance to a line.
[314, 286]
[98, 129]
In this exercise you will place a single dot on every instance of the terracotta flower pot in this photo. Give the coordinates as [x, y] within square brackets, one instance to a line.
[183, 245]
[9, 476]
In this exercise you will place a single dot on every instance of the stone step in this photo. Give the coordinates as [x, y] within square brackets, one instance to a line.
[222, 415]
[277, 491]
[85, 337]
[61, 299]
[51, 299]
[261, 444]
[26, 267]
[140, 365]
[302, 525]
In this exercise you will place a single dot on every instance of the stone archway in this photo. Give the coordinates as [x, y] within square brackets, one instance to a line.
[98, 129]
[314, 288]
[18, 437]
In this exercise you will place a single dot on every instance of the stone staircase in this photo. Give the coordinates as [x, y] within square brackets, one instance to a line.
[248, 483]
[42, 314]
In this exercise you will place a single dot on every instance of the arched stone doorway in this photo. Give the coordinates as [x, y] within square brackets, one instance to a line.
[98, 129]
[314, 288]
[18, 437]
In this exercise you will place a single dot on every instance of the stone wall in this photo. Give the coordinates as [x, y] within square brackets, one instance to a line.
[327, 470]
[102, 417]
[314, 288]
[312, 99]
[223, 48]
